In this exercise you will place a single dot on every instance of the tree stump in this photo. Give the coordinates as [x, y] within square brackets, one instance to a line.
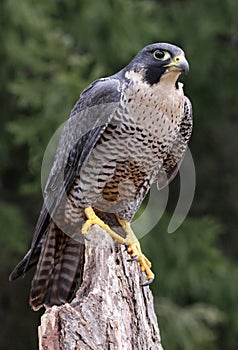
[111, 309]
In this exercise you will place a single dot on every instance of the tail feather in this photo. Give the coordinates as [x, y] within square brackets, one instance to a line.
[29, 260]
[44, 270]
[58, 269]
[68, 273]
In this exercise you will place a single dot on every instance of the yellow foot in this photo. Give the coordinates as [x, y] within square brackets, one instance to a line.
[134, 249]
[93, 219]
[132, 243]
[136, 254]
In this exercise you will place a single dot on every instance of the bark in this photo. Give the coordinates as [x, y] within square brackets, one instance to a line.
[111, 309]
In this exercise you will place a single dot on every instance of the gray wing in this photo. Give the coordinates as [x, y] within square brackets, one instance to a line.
[174, 159]
[88, 119]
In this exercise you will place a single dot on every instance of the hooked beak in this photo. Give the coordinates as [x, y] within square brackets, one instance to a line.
[178, 63]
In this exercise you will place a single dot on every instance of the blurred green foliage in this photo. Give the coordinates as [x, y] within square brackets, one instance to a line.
[50, 51]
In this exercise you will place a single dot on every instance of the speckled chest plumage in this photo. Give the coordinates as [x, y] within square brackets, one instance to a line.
[130, 152]
[126, 131]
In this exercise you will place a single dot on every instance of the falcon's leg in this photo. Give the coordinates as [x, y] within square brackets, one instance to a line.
[134, 249]
[93, 219]
[132, 243]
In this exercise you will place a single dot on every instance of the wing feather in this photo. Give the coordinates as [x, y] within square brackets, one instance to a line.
[88, 119]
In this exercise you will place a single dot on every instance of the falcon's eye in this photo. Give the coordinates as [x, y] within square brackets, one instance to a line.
[161, 55]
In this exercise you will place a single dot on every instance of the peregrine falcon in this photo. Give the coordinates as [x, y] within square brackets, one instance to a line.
[125, 132]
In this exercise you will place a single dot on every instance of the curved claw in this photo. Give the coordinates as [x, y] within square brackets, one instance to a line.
[147, 283]
[86, 238]
[134, 258]
[136, 255]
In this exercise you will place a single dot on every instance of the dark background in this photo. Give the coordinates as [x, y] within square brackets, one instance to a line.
[50, 51]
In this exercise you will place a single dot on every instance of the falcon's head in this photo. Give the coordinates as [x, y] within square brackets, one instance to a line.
[158, 59]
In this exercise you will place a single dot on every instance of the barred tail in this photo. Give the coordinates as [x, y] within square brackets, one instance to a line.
[29, 260]
[59, 268]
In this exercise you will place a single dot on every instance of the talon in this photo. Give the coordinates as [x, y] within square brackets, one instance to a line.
[131, 243]
[134, 258]
[133, 248]
[86, 238]
[147, 283]
[145, 265]
[93, 219]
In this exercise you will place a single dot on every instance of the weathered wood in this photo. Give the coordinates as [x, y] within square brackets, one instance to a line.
[111, 309]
